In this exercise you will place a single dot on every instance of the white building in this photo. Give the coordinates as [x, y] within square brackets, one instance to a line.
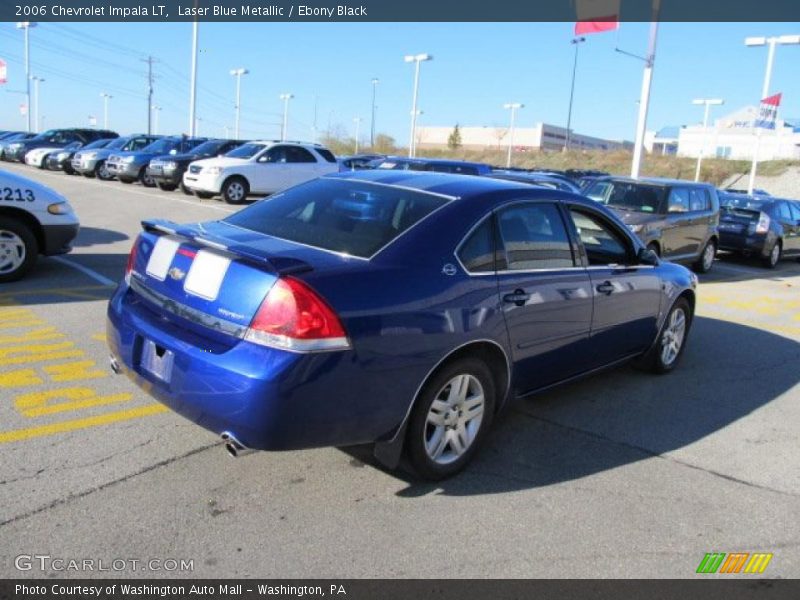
[732, 136]
[539, 137]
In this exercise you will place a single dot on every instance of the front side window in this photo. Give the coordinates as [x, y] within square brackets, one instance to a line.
[477, 252]
[533, 236]
[604, 245]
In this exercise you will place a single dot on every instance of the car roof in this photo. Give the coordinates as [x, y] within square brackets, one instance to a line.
[451, 185]
[662, 181]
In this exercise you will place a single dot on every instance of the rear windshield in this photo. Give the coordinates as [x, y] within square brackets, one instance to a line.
[351, 217]
[628, 196]
[729, 201]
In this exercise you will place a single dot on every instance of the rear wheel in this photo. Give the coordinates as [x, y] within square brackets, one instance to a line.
[18, 249]
[146, 179]
[773, 258]
[167, 187]
[235, 190]
[665, 353]
[706, 260]
[450, 419]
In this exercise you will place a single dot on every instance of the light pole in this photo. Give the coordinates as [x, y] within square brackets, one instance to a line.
[513, 107]
[26, 26]
[375, 82]
[357, 121]
[708, 102]
[238, 74]
[106, 97]
[285, 126]
[193, 84]
[771, 42]
[575, 42]
[644, 100]
[417, 59]
[36, 81]
[157, 110]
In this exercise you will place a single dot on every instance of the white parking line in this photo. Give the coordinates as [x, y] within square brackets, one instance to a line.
[86, 270]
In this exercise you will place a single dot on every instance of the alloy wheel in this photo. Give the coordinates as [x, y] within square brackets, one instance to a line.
[12, 252]
[673, 336]
[454, 419]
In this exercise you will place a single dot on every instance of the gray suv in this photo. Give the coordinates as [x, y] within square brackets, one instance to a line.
[92, 162]
[678, 220]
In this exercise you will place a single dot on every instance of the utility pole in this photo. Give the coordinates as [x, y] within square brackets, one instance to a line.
[644, 102]
[357, 121]
[193, 84]
[106, 97]
[575, 42]
[25, 26]
[149, 60]
[37, 126]
[375, 82]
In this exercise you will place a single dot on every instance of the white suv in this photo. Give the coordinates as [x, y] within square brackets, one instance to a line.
[260, 167]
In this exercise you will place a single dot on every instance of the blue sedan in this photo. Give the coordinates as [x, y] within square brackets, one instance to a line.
[395, 308]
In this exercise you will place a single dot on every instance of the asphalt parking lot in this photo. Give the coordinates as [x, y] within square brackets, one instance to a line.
[622, 475]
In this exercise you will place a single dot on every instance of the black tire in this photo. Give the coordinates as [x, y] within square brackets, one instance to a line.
[166, 187]
[145, 179]
[419, 429]
[186, 190]
[703, 264]
[11, 228]
[101, 172]
[204, 195]
[774, 257]
[655, 248]
[654, 360]
[235, 190]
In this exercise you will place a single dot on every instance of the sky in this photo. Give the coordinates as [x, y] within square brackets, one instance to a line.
[477, 67]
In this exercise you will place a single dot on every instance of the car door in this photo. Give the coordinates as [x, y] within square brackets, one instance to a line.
[302, 165]
[626, 294]
[544, 292]
[791, 241]
[270, 172]
[701, 220]
[676, 236]
[794, 208]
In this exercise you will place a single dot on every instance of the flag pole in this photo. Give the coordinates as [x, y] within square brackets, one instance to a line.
[644, 101]
[764, 93]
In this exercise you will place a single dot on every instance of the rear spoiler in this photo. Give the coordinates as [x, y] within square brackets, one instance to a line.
[282, 265]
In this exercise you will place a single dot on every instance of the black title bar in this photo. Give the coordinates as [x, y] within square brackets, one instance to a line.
[387, 10]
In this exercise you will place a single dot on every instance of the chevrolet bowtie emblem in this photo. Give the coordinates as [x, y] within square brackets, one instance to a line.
[176, 274]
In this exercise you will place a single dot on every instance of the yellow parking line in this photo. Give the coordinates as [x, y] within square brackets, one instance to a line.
[64, 426]
[59, 290]
[100, 337]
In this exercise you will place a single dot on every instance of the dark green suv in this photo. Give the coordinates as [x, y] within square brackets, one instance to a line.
[678, 220]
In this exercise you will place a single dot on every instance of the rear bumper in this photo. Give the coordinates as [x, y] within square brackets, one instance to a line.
[756, 245]
[269, 399]
[58, 238]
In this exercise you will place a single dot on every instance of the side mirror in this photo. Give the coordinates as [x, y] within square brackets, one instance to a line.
[647, 257]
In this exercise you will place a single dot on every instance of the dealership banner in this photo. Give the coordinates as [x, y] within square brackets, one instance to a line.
[741, 588]
[602, 12]
[768, 112]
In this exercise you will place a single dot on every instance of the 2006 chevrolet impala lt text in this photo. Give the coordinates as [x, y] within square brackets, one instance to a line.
[396, 308]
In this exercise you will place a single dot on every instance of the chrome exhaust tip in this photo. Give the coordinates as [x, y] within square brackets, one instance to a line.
[114, 364]
[233, 446]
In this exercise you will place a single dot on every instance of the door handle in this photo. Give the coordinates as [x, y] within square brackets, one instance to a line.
[606, 288]
[519, 297]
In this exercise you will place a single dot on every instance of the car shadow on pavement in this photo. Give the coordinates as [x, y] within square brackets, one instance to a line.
[92, 236]
[624, 416]
[734, 267]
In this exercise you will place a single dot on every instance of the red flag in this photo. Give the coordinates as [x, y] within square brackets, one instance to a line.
[596, 16]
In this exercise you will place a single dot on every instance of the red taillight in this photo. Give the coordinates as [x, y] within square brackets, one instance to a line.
[294, 317]
[131, 260]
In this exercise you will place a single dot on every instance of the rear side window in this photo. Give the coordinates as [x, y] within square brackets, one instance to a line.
[477, 252]
[795, 211]
[784, 212]
[296, 154]
[699, 200]
[678, 200]
[326, 154]
[534, 237]
[350, 217]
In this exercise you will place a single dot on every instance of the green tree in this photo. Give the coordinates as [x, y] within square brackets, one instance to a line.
[454, 139]
[384, 144]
